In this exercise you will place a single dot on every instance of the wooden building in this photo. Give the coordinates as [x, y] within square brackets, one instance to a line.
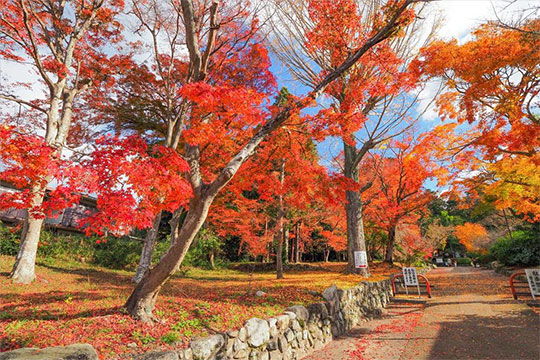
[65, 220]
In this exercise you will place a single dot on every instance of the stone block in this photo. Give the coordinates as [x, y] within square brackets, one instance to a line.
[207, 348]
[300, 311]
[258, 332]
[282, 322]
[283, 343]
[75, 351]
[289, 335]
[158, 355]
[317, 311]
[275, 355]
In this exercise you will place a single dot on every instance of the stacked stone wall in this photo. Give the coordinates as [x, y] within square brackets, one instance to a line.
[292, 335]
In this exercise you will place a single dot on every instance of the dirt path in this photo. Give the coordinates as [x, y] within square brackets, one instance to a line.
[471, 316]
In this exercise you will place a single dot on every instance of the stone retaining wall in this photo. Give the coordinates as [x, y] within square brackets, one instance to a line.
[292, 335]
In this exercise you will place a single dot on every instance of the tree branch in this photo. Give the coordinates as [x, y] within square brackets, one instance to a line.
[23, 102]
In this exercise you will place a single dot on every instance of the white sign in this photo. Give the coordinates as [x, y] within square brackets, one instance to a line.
[439, 260]
[360, 259]
[410, 277]
[533, 277]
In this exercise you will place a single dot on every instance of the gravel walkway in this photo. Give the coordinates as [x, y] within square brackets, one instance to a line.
[471, 316]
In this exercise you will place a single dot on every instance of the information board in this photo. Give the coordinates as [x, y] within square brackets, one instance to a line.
[533, 277]
[360, 259]
[410, 276]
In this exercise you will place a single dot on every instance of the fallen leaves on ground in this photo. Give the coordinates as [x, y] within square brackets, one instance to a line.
[71, 303]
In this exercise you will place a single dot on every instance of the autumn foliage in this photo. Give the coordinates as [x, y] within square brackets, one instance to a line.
[492, 85]
[473, 236]
[177, 124]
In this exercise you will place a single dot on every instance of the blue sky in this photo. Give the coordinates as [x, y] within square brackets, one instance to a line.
[460, 17]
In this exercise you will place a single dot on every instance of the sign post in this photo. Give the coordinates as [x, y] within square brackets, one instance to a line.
[360, 259]
[533, 277]
[410, 278]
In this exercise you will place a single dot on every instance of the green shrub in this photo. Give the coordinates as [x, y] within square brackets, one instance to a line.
[485, 259]
[199, 252]
[523, 249]
[9, 240]
[118, 253]
[65, 246]
[464, 261]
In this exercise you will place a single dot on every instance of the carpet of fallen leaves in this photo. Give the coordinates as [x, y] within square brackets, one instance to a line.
[74, 303]
[402, 326]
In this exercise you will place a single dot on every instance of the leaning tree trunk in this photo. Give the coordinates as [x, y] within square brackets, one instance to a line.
[389, 256]
[24, 269]
[142, 300]
[148, 249]
[353, 208]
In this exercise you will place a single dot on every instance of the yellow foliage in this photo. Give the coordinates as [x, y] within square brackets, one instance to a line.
[473, 236]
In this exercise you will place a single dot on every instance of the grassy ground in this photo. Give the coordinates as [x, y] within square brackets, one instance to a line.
[73, 302]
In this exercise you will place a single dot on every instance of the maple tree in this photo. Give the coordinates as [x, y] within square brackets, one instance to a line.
[492, 86]
[473, 236]
[371, 103]
[27, 162]
[282, 189]
[231, 122]
[397, 194]
[63, 42]
[148, 98]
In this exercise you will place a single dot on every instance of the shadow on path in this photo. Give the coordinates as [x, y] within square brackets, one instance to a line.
[515, 336]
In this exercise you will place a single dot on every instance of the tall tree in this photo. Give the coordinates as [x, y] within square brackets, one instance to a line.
[229, 121]
[148, 99]
[493, 82]
[398, 194]
[63, 42]
[370, 104]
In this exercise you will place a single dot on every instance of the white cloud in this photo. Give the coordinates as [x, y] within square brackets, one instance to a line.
[460, 17]
[12, 72]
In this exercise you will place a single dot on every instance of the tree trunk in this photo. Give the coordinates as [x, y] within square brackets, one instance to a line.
[279, 256]
[389, 257]
[286, 242]
[141, 302]
[148, 249]
[268, 253]
[281, 233]
[297, 256]
[507, 224]
[353, 208]
[24, 269]
[294, 244]
[326, 255]
[213, 258]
